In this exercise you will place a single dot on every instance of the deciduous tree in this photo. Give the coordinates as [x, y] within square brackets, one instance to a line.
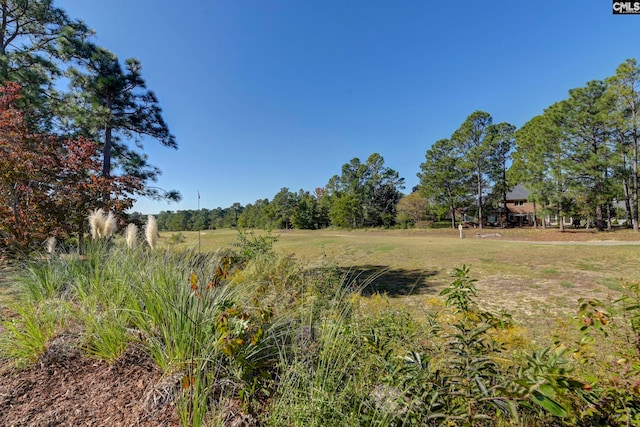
[48, 184]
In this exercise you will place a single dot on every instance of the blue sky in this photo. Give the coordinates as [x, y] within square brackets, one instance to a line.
[266, 94]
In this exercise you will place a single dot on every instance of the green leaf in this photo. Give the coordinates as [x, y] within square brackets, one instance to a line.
[548, 404]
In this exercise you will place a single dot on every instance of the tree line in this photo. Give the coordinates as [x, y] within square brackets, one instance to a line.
[579, 158]
[365, 194]
[73, 117]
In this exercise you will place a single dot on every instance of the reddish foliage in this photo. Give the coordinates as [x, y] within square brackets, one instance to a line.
[49, 184]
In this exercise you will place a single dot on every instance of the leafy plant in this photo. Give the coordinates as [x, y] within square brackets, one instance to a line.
[460, 293]
[250, 245]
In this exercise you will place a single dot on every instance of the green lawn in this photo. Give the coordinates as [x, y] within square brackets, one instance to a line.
[531, 273]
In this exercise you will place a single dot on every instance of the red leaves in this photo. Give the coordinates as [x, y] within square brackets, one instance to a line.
[48, 184]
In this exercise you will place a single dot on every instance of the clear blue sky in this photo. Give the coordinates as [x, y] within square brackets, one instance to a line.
[267, 94]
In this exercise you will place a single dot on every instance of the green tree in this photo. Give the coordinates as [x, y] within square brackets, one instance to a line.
[30, 34]
[281, 209]
[308, 213]
[444, 179]
[367, 192]
[502, 135]
[474, 139]
[162, 218]
[177, 221]
[115, 106]
[537, 165]
[231, 215]
[346, 211]
[199, 220]
[625, 88]
[585, 123]
[255, 215]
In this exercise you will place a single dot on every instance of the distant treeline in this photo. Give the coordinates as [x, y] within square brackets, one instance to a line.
[364, 195]
[578, 159]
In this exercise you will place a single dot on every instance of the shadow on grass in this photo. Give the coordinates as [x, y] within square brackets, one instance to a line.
[393, 282]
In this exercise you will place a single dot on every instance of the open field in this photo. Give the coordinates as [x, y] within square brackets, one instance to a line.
[532, 274]
[186, 336]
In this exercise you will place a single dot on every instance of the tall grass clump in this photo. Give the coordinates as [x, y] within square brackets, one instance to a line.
[42, 279]
[151, 232]
[323, 367]
[27, 335]
[102, 224]
[131, 236]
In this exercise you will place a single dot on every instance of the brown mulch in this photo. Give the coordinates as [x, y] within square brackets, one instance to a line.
[67, 388]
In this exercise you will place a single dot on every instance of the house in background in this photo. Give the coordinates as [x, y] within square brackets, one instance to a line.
[522, 212]
[519, 210]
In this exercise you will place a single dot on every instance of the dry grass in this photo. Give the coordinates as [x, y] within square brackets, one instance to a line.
[536, 275]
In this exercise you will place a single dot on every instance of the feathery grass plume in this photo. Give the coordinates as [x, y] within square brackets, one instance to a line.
[96, 223]
[131, 236]
[50, 245]
[110, 225]
[151, 231]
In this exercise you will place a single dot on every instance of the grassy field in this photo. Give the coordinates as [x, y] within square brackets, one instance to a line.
[534, 274]
[280, 338]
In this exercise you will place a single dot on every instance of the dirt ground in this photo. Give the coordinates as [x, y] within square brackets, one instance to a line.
[66, 388]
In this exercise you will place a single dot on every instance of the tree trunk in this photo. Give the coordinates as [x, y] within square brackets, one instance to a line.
[479, 199]
[452, 208]
[627, 203]
[108, 142]
[609, 216]
[453, 217]
[599, 218]
[635, 177]
[504, 195]
[106, 153]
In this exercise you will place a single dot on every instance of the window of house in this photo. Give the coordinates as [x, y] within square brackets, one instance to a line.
[519, 203]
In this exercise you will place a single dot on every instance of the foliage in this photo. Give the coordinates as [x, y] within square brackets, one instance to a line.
[28, 335]
[300, 346]
[443, 178]
[251, 245]
[53, 172]
[412, 210]
[113, 105]
[365, 194]
[625, 89]
[47, 184]
[581, 155]
[30, 53]
[461, 291]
